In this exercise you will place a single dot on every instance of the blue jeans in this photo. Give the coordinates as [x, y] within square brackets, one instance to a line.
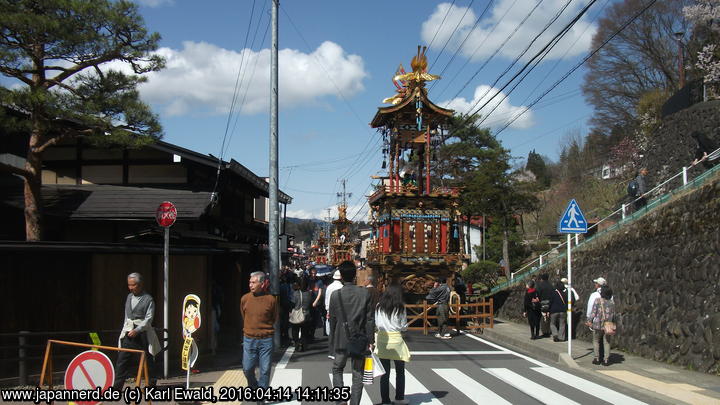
[257, 351]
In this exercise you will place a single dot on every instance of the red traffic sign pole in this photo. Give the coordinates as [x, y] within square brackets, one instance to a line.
[165, 215]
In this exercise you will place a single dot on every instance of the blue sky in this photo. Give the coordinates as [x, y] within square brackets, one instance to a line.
[337, 59]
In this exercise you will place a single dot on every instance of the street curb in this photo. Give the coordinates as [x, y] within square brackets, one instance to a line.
[567, 360]
[528, 346]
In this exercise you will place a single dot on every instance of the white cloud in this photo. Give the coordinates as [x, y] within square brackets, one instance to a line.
[201, 78]
[482, 43]
[502, 114]
[154, 3]
[323, 213]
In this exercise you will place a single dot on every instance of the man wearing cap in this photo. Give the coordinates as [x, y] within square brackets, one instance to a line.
[334, 286]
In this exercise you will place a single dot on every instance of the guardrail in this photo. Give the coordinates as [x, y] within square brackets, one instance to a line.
[27, 352]
[621, 216]
[479, 313]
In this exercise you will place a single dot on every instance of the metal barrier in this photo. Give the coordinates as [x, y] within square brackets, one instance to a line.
[478, 314]
[27, 352]
[623, 218]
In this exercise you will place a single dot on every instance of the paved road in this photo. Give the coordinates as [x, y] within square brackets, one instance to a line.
[464, 370]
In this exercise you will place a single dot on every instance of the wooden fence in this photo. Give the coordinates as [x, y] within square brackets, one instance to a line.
[471, 316]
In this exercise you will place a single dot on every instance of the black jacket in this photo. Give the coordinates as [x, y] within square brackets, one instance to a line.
[558, 302]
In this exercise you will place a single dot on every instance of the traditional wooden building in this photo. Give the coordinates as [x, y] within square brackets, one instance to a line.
[99, 219]
[417, 236]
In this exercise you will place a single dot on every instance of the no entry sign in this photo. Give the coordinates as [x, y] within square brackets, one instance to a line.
[166, 214]
[89, 370]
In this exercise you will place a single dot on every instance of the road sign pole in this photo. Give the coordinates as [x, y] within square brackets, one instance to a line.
[166, 289]
[569, 298]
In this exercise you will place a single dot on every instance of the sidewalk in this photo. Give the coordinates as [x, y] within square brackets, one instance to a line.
[666, 382]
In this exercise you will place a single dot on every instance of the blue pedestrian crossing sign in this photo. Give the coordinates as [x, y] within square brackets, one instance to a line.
[573, 221]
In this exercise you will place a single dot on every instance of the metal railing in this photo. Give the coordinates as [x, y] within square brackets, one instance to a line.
[27, 352]
[621, 216]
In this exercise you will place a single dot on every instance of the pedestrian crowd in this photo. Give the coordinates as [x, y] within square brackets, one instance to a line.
[360, 322]
[545, 307]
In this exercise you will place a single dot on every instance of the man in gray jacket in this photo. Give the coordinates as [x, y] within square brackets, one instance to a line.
[352, 312]
[137, 332]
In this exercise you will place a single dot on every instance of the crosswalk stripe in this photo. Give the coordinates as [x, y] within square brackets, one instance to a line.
[535, 390]
[287, 377]
[471, 388]
[347, 380]
[413, 387]
[586, 386]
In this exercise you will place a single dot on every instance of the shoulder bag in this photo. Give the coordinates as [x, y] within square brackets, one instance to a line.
[297, 315]
[609, 327]
[357, 342]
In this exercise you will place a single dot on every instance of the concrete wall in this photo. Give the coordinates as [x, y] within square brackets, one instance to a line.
[664, 270]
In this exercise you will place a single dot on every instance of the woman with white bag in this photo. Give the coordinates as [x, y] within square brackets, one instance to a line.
[390, 321]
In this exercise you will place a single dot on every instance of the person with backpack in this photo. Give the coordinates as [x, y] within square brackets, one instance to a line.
[546, 292]
[532, 309]
[637, 189]
[558, 308]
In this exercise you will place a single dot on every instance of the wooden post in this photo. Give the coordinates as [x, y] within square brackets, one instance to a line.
[457, 318]
[47, 365]
[492, 316]
[425, 317]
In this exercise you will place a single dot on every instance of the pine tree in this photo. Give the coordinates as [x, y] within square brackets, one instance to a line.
[64, 57]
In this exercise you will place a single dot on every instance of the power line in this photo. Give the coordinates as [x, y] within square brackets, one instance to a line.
[441, 23]
[502, 18]
[459, 48]
[585, 59]
[232, 103]
[539, 56]
[451, 34]
[537, 36]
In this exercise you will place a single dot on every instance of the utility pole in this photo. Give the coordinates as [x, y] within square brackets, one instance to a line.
[681, 62]
[273, 237]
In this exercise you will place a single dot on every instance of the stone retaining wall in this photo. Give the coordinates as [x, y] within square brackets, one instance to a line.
[664, 270]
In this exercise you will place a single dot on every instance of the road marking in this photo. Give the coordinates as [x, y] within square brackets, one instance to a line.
[415, 392]
[365, 400]
[287, 377]
[491, 344]
[285, 358]
[533, 389]
[462, 353]
[471, 388]
[681, 392]
[589, 387]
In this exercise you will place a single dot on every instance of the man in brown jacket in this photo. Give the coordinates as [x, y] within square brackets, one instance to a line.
[259, 311]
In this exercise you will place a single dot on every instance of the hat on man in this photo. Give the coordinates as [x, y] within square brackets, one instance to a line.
[336, 275]
[600, 281]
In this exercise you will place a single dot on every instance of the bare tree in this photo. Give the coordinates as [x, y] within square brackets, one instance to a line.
[641, 58]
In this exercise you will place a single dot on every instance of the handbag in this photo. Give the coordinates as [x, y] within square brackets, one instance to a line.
[378, 369]
[357, 342]
[297, 315]
[609, 327]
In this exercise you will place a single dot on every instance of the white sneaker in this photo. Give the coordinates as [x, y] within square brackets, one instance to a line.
[446, 335]
[437, 335]
[331, 357]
